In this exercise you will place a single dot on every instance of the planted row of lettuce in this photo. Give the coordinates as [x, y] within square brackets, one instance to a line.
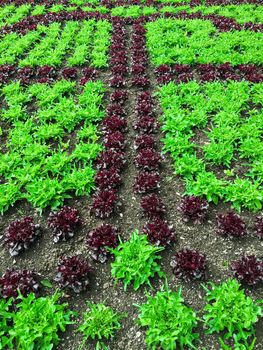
[51, 141]
[77, 43]
[26, 319]
[183, 41]
[228, 163]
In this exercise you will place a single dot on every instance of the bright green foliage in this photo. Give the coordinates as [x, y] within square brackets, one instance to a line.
[100, 322]
[135, 261]
[132, 11]
[170, 323]
[198, 41]
[82, 42]
[37, 322]
[45, 161]
[5, 322]
[217, 109]
[228, 309]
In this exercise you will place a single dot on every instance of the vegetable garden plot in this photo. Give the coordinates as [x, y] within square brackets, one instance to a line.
[131, 175]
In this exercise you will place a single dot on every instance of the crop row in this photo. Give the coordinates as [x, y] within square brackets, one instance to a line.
[243, 13]
[197, 41]
[37, 164]
[187, 108]
[220, 22]
[228, 310]
[81, 43]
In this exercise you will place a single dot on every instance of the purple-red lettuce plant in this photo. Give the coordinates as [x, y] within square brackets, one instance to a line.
[248, 269]
[146, 182]
[159, 232]
[112, 124]
[259, 227]
[108, 178]
[64, 223]
[189, 264]
[100, 239]
[115, 140]
[231, 224]
[20, 234]
[111, 158]
[193, 209]
[148, 159]
[153, 206]
[144, 141]
[14, 280]
[73, 273]
[104, 203]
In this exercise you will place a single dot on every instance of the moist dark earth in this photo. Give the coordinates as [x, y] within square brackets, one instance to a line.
[44, 254]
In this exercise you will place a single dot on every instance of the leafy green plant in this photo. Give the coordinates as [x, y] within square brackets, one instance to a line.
[170, 323]
[37, 322]
[5, 321]
[100, 322]
[135, 261]
[229, 310]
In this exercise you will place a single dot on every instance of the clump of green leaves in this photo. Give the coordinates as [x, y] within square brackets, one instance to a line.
[170, 323]
[100, 322]
[37, 322]
[230, 310]
[5, 319]
[135, 261]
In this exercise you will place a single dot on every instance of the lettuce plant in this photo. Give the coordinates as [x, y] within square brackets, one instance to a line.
[169, 322]
[159, 232]
[111, 158]
[152, 206]
[14, 282]
[104, 203]
[230, 224]
[248, 269]
[20, 234]
[135, 261]
[148, 159]
[73, 273]
[189, 264]
[100, 322]
[229, 310]
[193, 209]
[112, 124]
[38, 321]
[100, 239]
[115, 140]
[144, 141]
[108, 178]
[64, 223]
[146, 182]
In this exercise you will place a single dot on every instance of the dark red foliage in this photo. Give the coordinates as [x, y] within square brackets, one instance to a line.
[25, 74]
[249, 269]
[14, 280]
[104, 203]
[115, 140]
[259, 227]
[146, 125]
[115, 110]
[146, 182]
[89, 73]
[73, 273]
[148, 159]
[138, 69]
[193, 209]
[231, 224]
[152, 206]
[144, 141]
[112, 124]
[159, 232]
[20, 234]
[144, 108]
[145, 98]
[63, 223]
[108, 178]
[141, 81]
[111, 158]
[189, 264]
[101, 238]
[119, 96]
[45, 72]
[69, 73]
[116, 81]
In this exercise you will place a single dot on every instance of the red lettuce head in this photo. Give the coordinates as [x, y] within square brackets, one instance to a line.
[63, 223]
[189, 264]
[231, 224]
[193, 209]
[249, 269]
[101, 238]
